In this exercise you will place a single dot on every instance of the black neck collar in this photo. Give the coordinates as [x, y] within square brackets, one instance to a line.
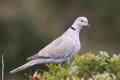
[72, 28]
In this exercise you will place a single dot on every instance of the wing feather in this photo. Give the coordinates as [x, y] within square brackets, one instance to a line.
[59, 48]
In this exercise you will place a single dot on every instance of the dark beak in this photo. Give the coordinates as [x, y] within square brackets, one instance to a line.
[88, 25]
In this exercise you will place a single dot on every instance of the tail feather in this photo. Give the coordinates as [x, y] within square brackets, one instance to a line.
[27, 65]
[37, 61]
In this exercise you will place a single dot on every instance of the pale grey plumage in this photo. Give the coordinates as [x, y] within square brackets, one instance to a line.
[37, 61]
[61, 48]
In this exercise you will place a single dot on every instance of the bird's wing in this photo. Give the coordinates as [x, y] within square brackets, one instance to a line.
[59, 48]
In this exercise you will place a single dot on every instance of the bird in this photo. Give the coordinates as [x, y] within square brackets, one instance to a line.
[59, 49]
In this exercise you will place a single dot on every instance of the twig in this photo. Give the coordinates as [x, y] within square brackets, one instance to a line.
[2, 67]
[42, 70]
[93, 76]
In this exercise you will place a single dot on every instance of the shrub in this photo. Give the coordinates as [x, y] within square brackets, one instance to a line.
[85, 67]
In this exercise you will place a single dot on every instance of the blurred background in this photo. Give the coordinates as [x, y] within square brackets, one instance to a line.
[26, 26]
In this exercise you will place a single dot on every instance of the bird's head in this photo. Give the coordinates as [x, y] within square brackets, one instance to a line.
[80, 22]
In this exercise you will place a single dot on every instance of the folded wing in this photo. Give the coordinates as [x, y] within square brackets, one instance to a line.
[60, 48]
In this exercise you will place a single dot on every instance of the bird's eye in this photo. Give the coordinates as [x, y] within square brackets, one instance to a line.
[81, 20]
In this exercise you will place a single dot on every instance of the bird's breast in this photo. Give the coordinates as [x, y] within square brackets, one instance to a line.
[77, 46]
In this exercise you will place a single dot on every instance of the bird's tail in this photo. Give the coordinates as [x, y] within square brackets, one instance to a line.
[37, 61]
[27, 65]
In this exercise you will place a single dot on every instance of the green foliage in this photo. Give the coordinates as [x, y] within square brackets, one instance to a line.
[85, 67]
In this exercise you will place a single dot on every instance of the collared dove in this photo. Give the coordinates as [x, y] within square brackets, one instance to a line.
[60, 49]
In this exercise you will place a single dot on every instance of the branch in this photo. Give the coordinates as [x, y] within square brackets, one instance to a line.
[2, 67]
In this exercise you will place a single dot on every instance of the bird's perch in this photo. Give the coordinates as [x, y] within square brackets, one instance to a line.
[37, 61]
